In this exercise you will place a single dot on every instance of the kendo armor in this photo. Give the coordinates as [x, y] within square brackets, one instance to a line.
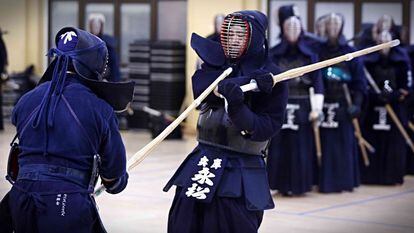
[333, 78]
[216, 129]
[385, 77]
[299, 86]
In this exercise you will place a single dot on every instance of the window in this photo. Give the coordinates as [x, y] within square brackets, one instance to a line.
[172, 20]
[135, 25]
[63, 13]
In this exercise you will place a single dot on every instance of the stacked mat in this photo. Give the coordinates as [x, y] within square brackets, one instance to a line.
[18, 85]
[158, 69]
[10, 97]
[167, 88]
[139, 72]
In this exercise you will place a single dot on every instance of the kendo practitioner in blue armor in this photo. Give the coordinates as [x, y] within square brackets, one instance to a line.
[68, 135]
[96, 27]
[292, 158]
[391, 71]
[222, 185]
[339, 168]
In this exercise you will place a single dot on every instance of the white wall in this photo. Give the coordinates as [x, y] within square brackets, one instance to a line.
[371, 12]
[172, 20]
[24, 21]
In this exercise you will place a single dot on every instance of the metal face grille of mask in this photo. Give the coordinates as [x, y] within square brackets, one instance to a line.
[333, 26]
[234, 36]
[292, 29]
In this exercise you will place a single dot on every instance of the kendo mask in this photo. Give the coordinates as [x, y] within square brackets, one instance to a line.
[96, 23]
[285, 12]
[243, 32]
[235, 36]
[86, 55]
[334, 26]
[320, 26]
[385, 23]
[242, 35]
[384, 37]
[292, 28]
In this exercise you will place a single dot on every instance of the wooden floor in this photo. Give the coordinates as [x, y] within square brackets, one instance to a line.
[143, 207]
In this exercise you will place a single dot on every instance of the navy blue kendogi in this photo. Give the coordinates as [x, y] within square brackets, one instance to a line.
[391, 71]
[339, 170]
[292, 158]
[68, 135]
[222, 185]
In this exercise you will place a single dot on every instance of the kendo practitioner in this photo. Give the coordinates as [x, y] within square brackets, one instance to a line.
[292, 152]
[339, 168]
[68, 135]
[222, 185]
[96, 27]
[3, 71]
[390, 69]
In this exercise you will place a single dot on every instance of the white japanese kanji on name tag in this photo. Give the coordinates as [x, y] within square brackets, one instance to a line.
[382, 119]
[290, 117]
[202, 182]
[329, 116]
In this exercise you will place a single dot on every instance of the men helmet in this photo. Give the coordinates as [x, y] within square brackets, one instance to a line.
[235, 36]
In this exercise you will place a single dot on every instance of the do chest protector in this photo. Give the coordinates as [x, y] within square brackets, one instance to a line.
[216, 129]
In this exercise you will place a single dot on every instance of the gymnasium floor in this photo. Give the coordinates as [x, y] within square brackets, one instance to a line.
[143, 207]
